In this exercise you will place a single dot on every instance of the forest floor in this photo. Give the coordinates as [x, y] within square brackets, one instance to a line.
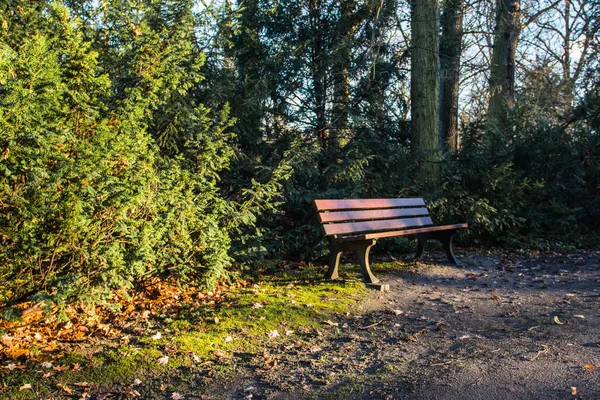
[503, 326]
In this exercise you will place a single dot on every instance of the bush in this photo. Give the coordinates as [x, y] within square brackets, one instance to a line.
[87, 203]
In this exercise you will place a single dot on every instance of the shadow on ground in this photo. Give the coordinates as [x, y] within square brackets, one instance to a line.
[502, 327]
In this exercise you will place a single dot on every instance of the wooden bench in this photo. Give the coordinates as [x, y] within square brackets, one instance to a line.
[355, 225]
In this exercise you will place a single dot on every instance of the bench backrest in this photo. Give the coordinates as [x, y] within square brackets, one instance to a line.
[354, 216]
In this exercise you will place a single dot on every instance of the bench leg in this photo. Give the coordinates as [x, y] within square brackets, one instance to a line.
[362, 250]
[421, 240]
[443, 236]
[446, 239]
[335, 252]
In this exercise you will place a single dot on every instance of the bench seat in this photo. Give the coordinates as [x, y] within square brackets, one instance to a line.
[356, 224]
[404, 232]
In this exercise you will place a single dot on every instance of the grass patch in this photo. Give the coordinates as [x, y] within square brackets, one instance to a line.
[244, 320]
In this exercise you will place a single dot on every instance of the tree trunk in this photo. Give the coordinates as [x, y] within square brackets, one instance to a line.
[341, 77]
[450, 52]
[248, 107]
[502, 74]
[424, 92]
[319, 73]
[568, 83]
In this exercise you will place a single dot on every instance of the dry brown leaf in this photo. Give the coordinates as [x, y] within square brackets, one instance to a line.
[331, 323]
[6, 340]
[219, 353]
[589, 366]
[16, 352]
[163, 360]
[573, 390]
[557, 321]
[26, 386]
[64, 387]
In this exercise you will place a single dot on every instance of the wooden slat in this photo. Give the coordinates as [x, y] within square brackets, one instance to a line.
[340, 216]
[369, 226]
[366, 204]
[404, 232]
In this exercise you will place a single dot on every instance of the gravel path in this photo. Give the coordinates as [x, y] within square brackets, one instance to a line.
[501, 327]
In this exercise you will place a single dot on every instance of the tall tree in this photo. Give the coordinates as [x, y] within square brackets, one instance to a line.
[424, 91]
[249, 55]
[319, 70]
[345, 29]
[502, 73]
[451, 22]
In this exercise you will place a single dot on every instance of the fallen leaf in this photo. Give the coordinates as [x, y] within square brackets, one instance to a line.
[589, 366]
[257, 305]
[16, 352]
[228, 339]
[11, 366]
[177, 396]
[25, 387]
[573, 390]
[82, 384]
[163, 360]
[6, 340]
[398, 312]
[219, 353]
[579, 316]
[273, 334]
[64, 387]
[557, 321]
[158, 336]
[289, 333]
[331, 323]
[46, 364]
[137, 382]
[496, 297]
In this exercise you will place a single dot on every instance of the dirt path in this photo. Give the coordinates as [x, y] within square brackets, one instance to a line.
[502, 327]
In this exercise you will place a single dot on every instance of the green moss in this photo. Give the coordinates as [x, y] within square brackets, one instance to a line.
[246, 322]
[290, 300]
[392, 266]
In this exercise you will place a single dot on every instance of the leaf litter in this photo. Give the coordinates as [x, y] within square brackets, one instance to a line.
[311, 360]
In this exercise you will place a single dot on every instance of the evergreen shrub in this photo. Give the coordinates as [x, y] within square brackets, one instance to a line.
[88, 204]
